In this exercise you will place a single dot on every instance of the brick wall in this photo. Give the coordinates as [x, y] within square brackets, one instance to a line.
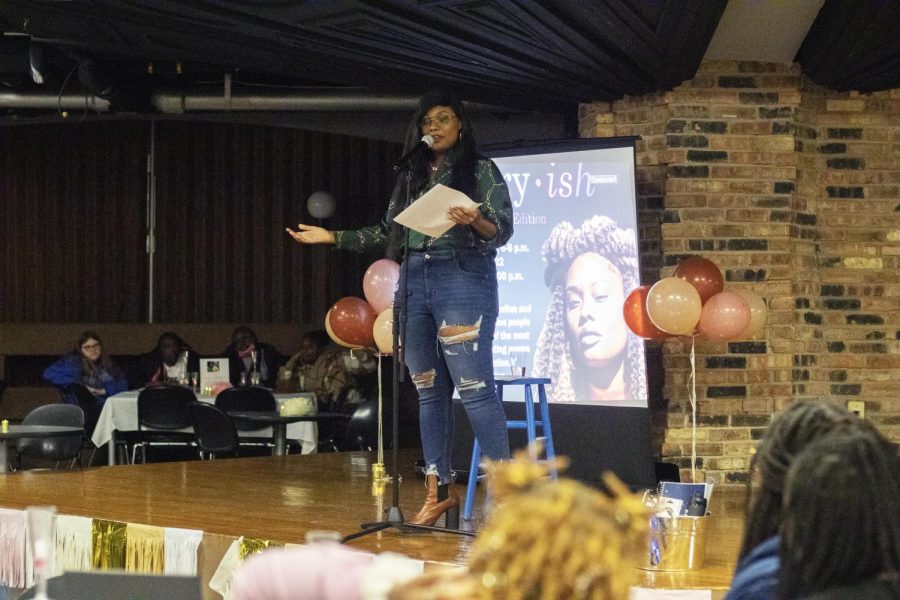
[794, 191]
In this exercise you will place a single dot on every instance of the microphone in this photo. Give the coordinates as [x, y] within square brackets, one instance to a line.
[424, 144]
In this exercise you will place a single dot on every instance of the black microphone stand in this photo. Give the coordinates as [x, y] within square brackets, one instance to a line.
[394, 514]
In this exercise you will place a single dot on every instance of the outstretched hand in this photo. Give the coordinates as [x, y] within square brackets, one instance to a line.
[311, 234]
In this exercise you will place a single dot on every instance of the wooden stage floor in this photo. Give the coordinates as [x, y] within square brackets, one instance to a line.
[281, 498]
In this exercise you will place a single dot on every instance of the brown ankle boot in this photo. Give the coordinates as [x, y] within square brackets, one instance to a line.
[433, 508]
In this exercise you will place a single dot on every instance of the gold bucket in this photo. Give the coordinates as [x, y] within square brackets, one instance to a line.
[676, 543]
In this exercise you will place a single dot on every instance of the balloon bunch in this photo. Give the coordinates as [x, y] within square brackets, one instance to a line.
[356, 323]
[693, 302]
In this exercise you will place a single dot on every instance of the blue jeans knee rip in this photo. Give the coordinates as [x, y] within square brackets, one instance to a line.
[450, 337]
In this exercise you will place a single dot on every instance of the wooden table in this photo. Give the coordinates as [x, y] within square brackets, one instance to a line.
[18, 432]
[279, 423]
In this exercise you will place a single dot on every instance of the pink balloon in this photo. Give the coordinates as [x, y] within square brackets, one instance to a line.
[380, 282]
[725, 316]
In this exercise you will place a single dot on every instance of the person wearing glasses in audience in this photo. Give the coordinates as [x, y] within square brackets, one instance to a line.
[87, 364]
[451, 290]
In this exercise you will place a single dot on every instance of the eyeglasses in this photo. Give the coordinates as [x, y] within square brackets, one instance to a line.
[441, 119]
[91, 347]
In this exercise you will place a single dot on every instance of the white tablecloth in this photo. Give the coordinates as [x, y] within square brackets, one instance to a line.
[120, 414]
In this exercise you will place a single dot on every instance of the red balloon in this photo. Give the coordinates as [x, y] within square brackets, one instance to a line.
[703, 274]
[352, 320]
[636, 316]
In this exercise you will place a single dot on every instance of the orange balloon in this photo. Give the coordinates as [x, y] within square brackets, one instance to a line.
[333, 337]
[724, 317]
[383, 331]
[636, 316]
[352, 320]
[759, 312]
[673, 305]
[703, 274]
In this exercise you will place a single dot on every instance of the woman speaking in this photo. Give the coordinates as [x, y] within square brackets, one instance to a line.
[451, 292]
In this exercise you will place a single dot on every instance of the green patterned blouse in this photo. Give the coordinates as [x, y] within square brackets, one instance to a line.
[495, 206]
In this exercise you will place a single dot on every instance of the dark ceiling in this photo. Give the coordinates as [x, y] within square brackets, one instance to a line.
[528, 54]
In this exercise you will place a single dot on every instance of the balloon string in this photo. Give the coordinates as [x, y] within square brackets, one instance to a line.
[380, 416]
[693, 396]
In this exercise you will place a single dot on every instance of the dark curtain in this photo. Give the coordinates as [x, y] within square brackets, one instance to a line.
[225, 193]
[72, 234]
[72, 199]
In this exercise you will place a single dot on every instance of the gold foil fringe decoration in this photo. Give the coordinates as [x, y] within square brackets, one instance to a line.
[253, 545]
[108, 544]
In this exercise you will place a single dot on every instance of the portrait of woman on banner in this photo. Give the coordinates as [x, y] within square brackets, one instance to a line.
[584, 345]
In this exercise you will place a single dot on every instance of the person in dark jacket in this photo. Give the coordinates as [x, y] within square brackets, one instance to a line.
[88, 365]
[756, 575]
[171, 360]
[841, 528]
[246, 354]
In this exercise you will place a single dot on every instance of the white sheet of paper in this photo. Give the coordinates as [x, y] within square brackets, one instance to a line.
[428, 214]
[213, 371]
[651, 594]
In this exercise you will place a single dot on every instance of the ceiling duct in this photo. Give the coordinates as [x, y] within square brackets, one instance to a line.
[175, 102]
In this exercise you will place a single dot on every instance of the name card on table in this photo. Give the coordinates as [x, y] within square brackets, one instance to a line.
[213, 371]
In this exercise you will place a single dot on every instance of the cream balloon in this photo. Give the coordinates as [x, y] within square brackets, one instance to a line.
[674, 306]
[335, 338]
[759, 313]
[383, 331]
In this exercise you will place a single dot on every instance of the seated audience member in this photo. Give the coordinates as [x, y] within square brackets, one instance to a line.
[756, 575]
[319, 367]
[547, 539]
[171, 360]
[246, 354]
[841, 529]
[89, 365]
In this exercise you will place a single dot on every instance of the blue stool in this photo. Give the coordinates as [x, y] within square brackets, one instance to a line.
[528, 424]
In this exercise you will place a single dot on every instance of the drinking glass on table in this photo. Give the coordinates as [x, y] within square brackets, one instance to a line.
[193, 381]
[42, 540]
[243, 379]
[255, 378]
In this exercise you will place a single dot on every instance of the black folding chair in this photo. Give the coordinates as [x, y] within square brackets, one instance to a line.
[362, 429]
[162, 411]
[58, 449]
[249, 399]
[214, 432]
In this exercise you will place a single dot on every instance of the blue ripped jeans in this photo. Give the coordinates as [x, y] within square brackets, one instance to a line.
[451, 312]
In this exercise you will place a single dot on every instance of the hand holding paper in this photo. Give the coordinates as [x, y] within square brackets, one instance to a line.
[430, 213]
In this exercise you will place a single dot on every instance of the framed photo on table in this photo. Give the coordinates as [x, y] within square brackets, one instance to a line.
[213, 371]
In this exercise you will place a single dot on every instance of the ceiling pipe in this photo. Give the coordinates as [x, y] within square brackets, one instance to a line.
[273, 101]
[53, 101]
[174, 102]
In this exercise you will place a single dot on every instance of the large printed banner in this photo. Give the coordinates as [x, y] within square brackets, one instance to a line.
[566, 271]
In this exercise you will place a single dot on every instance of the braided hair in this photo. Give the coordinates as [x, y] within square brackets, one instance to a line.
[841, 515]
[553, 356]
[799, 424]
[557, 539]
